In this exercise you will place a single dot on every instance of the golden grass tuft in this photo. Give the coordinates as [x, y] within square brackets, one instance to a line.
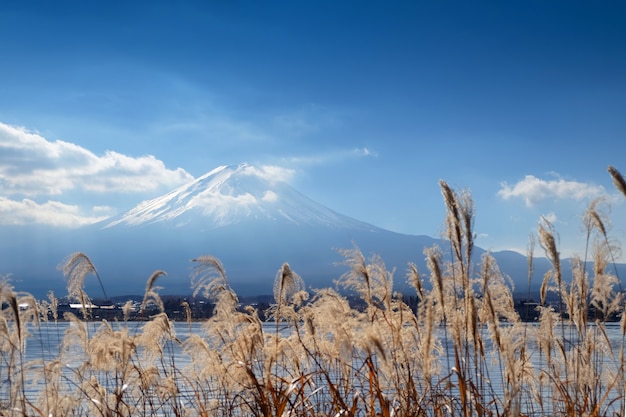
[618, 180]
[461, 350]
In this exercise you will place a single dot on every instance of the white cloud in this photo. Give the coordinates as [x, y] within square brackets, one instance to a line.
[533, 190]
[31, 165]
[214, 201]
[54, 213]
[365, 152]
[222, 206]
[333, 156]
[271, 173]
[269, 196]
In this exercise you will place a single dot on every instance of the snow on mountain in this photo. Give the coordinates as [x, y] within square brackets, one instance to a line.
[235, 194]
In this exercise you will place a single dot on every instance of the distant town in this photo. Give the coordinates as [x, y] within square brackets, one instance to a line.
[190, 308]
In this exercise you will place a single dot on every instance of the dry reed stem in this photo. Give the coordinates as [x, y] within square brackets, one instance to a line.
[75, 268]
[151, 293]
[337, 359]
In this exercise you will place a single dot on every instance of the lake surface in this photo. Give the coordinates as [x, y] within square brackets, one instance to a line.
[45, 340]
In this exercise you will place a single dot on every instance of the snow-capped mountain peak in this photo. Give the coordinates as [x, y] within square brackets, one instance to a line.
[234, 194]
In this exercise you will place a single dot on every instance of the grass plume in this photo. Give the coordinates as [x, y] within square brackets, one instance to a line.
[359, 349]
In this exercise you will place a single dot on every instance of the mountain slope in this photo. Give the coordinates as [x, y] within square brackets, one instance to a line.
[252, 223]
[234, 194]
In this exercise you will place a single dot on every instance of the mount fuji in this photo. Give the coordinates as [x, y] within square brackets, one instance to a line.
[248, 219]
[231, 195]
[243, 215]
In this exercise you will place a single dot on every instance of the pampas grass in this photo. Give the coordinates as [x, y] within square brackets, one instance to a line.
[463, 351]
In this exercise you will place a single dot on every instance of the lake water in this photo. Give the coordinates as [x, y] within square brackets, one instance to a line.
[45, 340]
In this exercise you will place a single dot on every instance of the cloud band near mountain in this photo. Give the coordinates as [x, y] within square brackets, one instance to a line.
[33, 169]
[31, 165]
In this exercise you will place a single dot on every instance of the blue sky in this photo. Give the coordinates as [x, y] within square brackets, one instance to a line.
[366, 104]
